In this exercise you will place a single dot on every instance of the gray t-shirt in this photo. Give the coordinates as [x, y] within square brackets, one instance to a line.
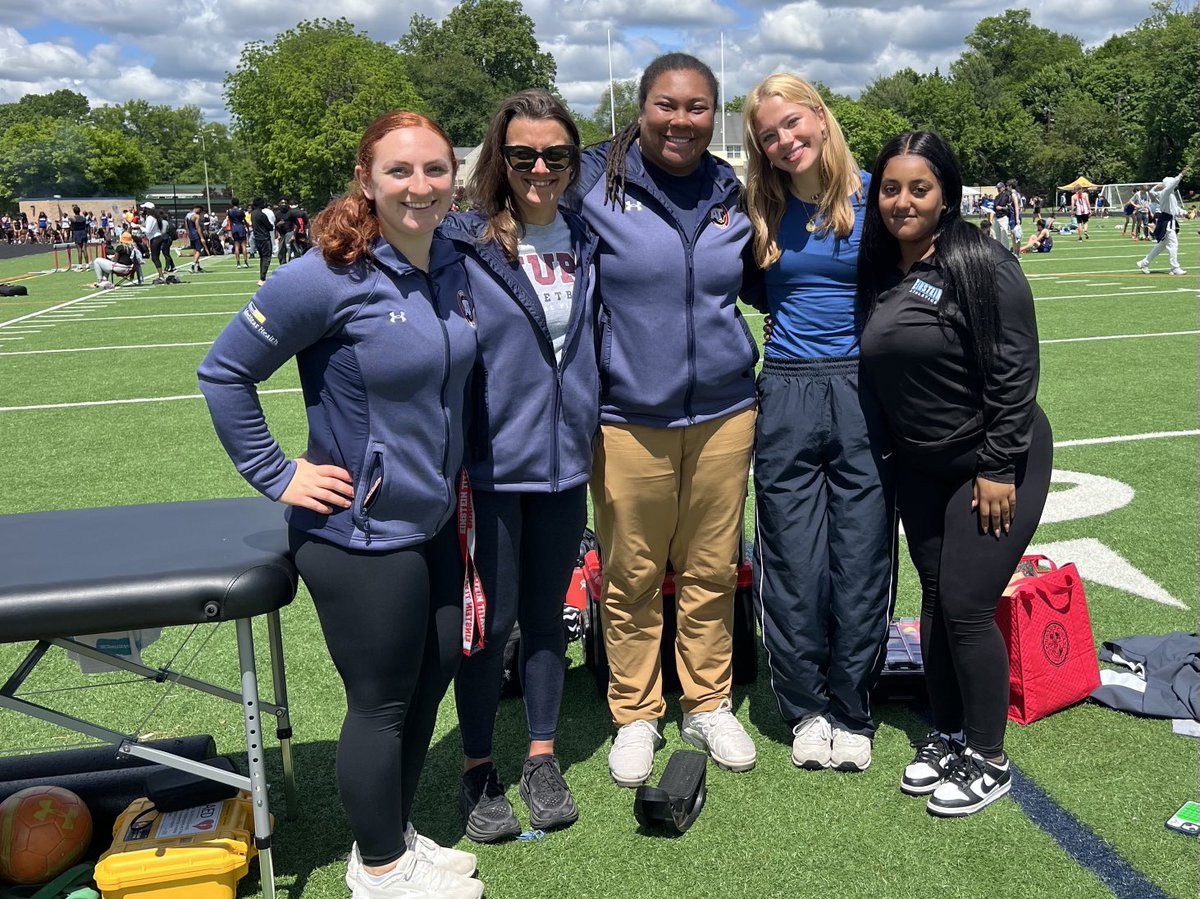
[548, 261]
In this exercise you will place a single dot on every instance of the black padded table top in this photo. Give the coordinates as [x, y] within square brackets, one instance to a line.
[89, 571]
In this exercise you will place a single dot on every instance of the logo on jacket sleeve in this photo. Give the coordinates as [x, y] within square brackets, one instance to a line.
[719, 216]
[926, 291]
[257, 322]
[466, 307]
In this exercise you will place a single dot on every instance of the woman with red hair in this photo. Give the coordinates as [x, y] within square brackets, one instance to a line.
[383, 331]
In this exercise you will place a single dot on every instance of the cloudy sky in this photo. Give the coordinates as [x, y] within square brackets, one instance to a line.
[178, 52]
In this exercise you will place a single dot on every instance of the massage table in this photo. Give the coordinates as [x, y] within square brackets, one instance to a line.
[91, 571]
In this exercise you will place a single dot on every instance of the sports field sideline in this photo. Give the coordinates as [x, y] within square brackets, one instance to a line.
[99, 406]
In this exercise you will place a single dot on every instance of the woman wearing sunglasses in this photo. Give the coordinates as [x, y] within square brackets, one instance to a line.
[529, 453]
[677, 411]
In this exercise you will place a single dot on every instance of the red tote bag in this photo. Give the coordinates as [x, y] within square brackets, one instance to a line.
[1051, 652]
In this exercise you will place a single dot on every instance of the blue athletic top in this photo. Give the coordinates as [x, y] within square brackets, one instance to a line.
[810, 290]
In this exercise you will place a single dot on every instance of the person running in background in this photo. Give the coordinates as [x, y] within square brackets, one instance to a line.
[1166, 223]
[195, 234]
[237, 234]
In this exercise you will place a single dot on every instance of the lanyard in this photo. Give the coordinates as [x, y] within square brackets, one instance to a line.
[474, 602]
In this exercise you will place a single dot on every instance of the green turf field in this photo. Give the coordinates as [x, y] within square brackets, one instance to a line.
[99, 406]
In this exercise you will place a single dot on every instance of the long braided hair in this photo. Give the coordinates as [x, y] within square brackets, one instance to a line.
[618, 150]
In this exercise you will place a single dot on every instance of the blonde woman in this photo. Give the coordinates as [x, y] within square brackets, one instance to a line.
[825, 539]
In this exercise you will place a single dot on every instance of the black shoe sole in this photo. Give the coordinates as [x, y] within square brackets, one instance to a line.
[491, 836]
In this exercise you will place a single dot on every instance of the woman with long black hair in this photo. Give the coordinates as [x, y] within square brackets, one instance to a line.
[950, 347]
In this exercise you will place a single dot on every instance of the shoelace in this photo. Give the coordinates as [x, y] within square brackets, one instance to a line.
[964, 770]
[815, 727]
[932, 749]
[722, 722]
[628, 736]
[548, 777]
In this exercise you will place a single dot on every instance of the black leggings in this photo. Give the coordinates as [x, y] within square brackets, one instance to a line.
[393, 625]
[526, 545]
[160, 246]
[963, 572]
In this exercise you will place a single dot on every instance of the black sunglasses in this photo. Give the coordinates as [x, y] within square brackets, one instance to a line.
[557, 159]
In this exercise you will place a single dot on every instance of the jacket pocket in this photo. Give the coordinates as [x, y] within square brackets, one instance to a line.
[368, 488]
[749, 339]
[479, 429]
[604, 347]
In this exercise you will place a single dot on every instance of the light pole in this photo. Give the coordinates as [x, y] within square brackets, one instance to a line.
[204, 157]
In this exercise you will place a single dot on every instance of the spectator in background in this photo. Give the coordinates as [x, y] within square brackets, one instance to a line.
[1002, 207]
[1081, 205]
[262, 224]
[1043, 239]
[1141, 214]
[237, 234]
[6, 228]
[79, 237]
[1016, 232]
[126, 262]
[195, 234]
[283, 227]
[43, 226]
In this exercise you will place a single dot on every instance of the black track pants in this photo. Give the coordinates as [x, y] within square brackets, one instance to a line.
[393, 625]
[263, 248]
[825, 539]
[963, 572]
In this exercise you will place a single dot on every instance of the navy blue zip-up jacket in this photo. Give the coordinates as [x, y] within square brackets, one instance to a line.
[384, 352]
[532, 420]
[674, 348]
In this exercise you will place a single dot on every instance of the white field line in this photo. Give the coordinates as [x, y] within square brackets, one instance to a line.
[121, 318]
[68, 303]
[134, 401]
[1114, 337]
[97, 349]
[1125, 438]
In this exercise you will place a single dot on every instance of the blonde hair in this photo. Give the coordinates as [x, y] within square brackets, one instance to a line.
[767, 187]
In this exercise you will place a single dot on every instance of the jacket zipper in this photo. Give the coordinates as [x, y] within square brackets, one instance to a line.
[447, 475]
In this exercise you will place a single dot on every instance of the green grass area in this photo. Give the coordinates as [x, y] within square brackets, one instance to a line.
[774, 832]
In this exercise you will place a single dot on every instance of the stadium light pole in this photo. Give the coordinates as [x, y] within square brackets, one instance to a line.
[204, 158]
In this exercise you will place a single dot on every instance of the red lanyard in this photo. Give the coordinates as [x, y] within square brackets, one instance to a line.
[474, 602]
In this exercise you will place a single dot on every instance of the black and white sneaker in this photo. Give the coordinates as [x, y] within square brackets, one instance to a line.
[971, 783]
[935, 753]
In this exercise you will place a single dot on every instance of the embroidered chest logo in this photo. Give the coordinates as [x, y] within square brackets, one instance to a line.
[719, 216]
[634, 206]
[926, 291]
[394, 317]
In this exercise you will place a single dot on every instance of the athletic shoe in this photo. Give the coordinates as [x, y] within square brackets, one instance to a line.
[261, 283]
[849, 751]
[1143, 266]
[462, 863]
[720, 735]
[546, 793]
[414, 877]
[1178, 271]
[936, 752]
[192, 267]
[485, 809]
[631, 758]
[971, 783]
[812, 743]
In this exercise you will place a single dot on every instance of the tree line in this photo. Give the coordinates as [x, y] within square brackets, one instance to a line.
[1021, 101]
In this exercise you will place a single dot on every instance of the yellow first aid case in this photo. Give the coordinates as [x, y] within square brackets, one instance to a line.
[194, 853]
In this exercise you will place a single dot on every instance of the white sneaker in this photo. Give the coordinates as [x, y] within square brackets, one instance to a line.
[413, 877]
[971, 783]
[631, 758]
[1178, 271]
[812, 742]
[444, 857]
[849, 751]
[1143, 266]
[720, 735]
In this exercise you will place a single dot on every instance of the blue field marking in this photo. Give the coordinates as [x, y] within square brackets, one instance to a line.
[1080, 842]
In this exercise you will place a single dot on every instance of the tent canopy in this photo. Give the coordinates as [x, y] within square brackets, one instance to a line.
[1078, 182]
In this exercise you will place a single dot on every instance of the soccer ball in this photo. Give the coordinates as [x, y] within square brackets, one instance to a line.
[43, 831]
